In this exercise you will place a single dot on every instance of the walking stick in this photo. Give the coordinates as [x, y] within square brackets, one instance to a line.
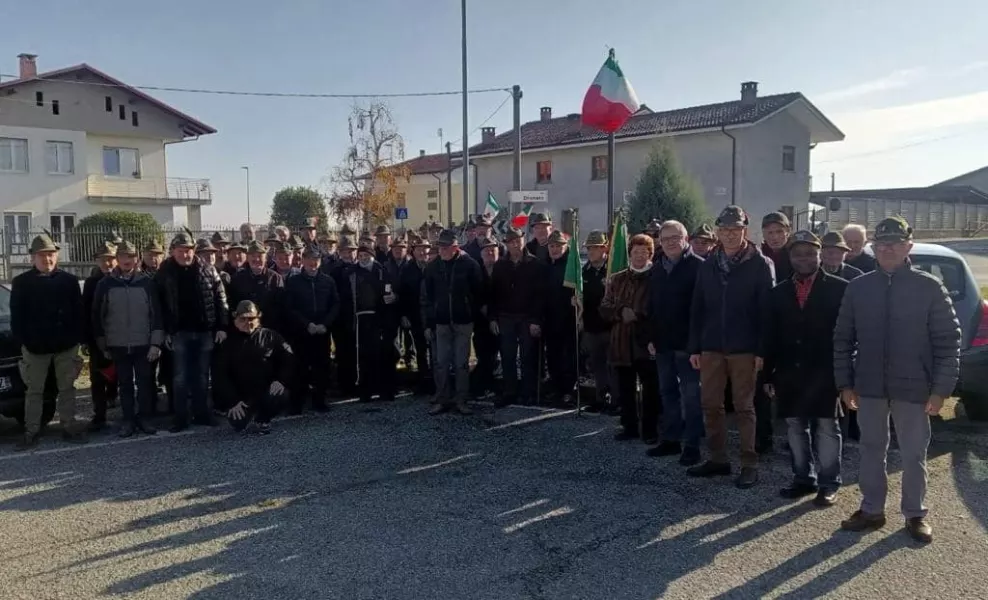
[576, 323]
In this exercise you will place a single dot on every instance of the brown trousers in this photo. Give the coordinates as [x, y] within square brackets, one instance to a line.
[715, 370]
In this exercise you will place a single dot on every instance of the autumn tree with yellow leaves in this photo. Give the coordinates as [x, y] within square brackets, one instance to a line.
[366, 184]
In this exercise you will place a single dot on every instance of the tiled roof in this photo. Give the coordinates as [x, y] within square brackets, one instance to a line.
[431, 163]
[190, 125]
[561, 131]
[934, 193]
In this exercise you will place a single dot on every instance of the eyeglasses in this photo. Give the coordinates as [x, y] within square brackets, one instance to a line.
[671, 238]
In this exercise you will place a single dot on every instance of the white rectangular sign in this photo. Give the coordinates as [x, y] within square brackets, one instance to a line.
[533, 197]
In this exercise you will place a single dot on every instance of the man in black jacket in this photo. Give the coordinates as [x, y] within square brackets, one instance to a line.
[382, 244]
[161, 369]
[485, 343]
[102, 379]
[376, 318]
[515, 312]
[538, 247]
[313, 305]
[410, 311]
[671, 286]
[344, 332]
[702, 240]
[262, 286]
[596, 336]
[452, 296]
[483, 227]
[799, 370]
[560, 323]
[195, 315]
[46, 318]
[833, 255]
[727, 335]
[856, 237]
[253, 371]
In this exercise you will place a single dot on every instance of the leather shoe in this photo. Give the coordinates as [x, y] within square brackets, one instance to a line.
[861, 521]
[665, 449]
[919, 530]
[709, 469]
[797, 491]
[825, 499]
[747, 478]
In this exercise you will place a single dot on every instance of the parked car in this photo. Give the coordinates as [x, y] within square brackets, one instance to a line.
[972, 311]
[11, 385]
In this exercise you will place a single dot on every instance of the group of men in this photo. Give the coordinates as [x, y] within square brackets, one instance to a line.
[696, 323]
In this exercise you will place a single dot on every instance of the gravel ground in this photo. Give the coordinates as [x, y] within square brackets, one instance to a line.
[386, 502]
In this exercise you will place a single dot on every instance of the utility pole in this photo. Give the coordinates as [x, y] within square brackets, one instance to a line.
[466, 126]
[833, 182]
[449, 182]
[516, 136]
[247, 174]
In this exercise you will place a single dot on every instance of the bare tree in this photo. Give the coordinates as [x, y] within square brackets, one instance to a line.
[365, 185]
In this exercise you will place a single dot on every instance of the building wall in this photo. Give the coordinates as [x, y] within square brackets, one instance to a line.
[422, 208]
[978, 179]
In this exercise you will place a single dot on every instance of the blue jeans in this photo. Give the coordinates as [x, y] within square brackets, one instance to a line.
[679, 388]
[192, 350]
[134, 370]
[827, 452]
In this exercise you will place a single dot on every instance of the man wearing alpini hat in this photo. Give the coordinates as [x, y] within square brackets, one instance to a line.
[835, 249]
[102, 378]
[46, 317]
[596, 331]
[896, 352]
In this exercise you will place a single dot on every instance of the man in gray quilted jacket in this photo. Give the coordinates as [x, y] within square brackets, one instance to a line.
[896, 351]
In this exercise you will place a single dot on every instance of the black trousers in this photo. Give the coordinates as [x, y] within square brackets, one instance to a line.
[560, 353]
[161, 374]
[377, 357]
[260, 410]
[345, 340]
[422, 356]
[648, 418]
[103, 390]
[486, 347]
[763, 412]
[311, 355]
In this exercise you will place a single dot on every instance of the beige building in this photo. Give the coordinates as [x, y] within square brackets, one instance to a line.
[76, 141]
[426, 194]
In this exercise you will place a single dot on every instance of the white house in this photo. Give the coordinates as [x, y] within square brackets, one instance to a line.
[76, 141]
[753, 151]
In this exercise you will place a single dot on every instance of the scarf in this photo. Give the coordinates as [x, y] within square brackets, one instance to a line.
[647, 266]
[727, 263]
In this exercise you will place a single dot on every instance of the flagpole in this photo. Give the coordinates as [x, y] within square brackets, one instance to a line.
[610, 180]
[576, 323]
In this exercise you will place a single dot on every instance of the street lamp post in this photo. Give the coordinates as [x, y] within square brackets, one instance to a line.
[247, 175]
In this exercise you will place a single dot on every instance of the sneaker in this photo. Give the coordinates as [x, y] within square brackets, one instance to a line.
[797, 491]
[438, 409]
[690, 456]
[145, 428]
[825, 499]
[747, 478]
[178, 426]
[128, 430]
[264, 429]
[665, 449]
[860, 521]
[710, 469]
[463, 409]
[28, 442]
[74, 437]
[919, 530]
[625, 436]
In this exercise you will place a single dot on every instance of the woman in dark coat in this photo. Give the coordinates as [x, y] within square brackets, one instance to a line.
[799, 370]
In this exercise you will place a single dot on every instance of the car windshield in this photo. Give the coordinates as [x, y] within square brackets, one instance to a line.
[948, 270]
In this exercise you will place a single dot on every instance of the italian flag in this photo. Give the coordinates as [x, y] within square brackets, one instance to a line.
[520, 220]
[610, 101]
[492, 207]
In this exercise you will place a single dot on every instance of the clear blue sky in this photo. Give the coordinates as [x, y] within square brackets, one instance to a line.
[907, 74]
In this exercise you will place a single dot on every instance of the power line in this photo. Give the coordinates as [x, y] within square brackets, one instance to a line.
[897, 148]
[485, 121]
[157, 88]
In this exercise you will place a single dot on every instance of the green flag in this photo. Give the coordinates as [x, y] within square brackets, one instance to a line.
[573, 278]
[617, 255]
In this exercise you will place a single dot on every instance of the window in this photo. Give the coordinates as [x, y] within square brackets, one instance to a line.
[949, 271]
[133, 118]
[58, 157]
[54, 107]
[121, 162]
[17, 232]
[598, 167]
[123, 112]
[13, 155]
[543, 171]
[39, 98]
[432, 193]
[108, 102]
[61, 227]
[433, 206]
[789, 158]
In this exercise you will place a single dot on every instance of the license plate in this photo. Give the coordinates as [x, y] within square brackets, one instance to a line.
[5, 384]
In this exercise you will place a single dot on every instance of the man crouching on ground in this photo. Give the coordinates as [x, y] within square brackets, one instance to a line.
[252, 370]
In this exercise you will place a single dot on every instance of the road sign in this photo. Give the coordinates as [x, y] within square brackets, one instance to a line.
[401, 213]
[532, 197]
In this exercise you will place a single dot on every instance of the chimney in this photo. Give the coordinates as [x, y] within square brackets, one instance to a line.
[546, 113]
[486, 135]
[749, 93]
[421, 153]
[29, 68]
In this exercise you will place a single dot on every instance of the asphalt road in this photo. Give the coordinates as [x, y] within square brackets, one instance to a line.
[393, 503]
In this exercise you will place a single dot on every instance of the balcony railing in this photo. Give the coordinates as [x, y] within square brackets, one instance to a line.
[162, 190]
